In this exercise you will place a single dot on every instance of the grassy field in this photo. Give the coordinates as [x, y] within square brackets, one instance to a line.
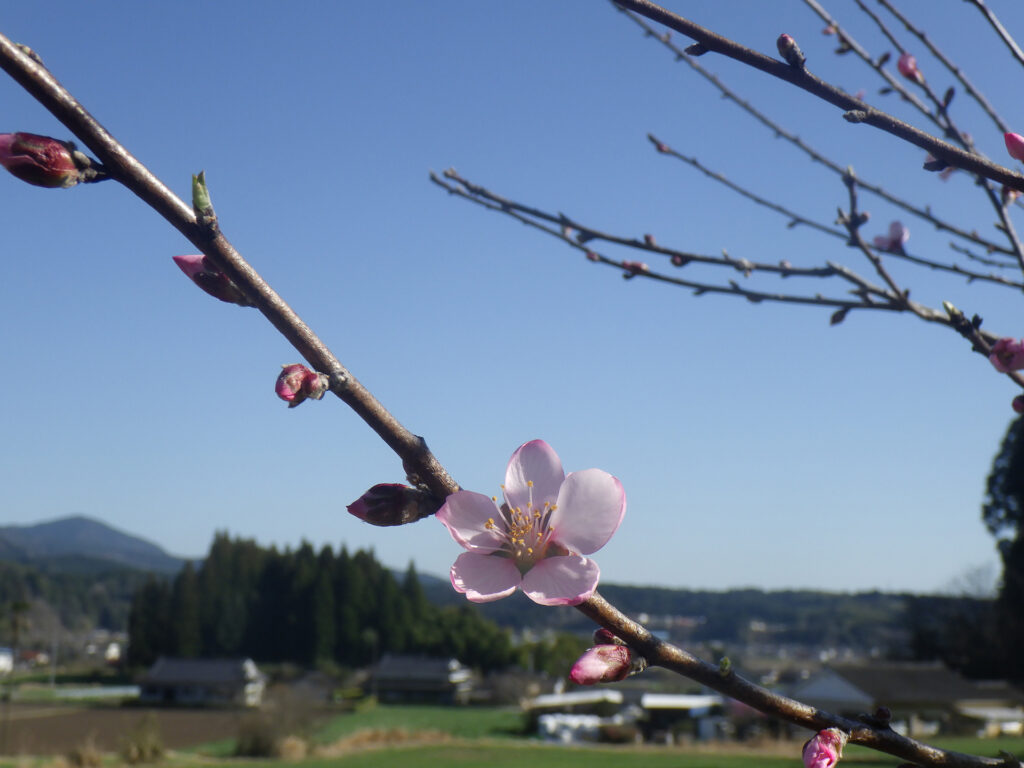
[413, 736]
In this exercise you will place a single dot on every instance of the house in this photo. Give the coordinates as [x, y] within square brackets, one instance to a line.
[420, 679]
[670, 717]
[203, 682]
[924, 698]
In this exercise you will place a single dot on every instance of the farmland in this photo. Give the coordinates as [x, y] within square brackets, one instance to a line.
[398, 737]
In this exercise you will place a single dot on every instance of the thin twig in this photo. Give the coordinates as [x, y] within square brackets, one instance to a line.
[855, 110]
[562, 227]
[958, 73]
[795, 219]
[1000, 30]
[816, 156]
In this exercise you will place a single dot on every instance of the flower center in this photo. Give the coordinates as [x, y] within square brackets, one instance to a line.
[527, 533]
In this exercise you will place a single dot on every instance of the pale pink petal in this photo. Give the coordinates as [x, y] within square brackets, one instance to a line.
[483, 578]
[565, 580]
[590, 507]
[536, 461]
[465, 515]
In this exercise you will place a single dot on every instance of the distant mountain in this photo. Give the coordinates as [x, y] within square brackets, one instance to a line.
[81, 544]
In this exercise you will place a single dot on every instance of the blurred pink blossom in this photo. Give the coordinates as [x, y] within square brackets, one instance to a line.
[898, 235]
[1007, 355]
[907, 65]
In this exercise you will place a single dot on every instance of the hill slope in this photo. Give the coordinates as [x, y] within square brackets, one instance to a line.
[81, 543]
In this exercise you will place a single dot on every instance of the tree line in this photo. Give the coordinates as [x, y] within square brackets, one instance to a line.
[305, 607]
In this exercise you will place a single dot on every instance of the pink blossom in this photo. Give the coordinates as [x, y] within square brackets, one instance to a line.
[296, 382]
[207, 276]
[602, 664]
[1007, 355]
[38, 160]
[537, 538]
[1014, 145]
[898, 235]
[907, 65]
[825, 749]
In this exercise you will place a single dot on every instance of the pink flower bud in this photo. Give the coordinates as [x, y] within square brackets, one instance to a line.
[649, 239]
[591, 256]
[679, 261]
[825, 749]
[391, 504]
[1014, 145]
[203, 273]
[1007, 355]
[790, 51]
[604, 637]
[602, 664]
[1018, 404]
[634, 267]
[296, 382]
[663, 148]
[39, 160]
[907, 65]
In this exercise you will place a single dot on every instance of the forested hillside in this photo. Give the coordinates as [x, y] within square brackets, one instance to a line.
[303, 606]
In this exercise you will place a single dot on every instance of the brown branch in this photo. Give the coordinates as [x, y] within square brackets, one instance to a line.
[780, 132]
[727, 682]
[418, 462]
[870, 296]
[855, 110]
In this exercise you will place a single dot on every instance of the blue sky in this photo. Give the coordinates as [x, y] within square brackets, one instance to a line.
[757, 445]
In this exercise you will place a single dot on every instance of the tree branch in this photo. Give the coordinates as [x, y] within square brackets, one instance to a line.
[855, 111]
[418, 462]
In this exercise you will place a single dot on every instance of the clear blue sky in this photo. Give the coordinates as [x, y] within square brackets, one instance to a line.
[757, 445]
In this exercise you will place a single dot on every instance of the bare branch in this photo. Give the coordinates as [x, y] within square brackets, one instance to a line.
[855, 110]
[796, 219]
[725, 681]
[418, 462]
[958, 73]
[1000, 30]
[816, 156]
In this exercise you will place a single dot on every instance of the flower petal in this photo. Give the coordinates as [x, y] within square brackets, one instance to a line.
[567, 580]
[465, 515]
[591, 504]
[536, 461]
[483, 578]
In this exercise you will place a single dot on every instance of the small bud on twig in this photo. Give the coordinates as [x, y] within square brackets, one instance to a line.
[790, 51]
[203, 273]
[40, 160]
[907, 65]
[388, 504]
[296, 382]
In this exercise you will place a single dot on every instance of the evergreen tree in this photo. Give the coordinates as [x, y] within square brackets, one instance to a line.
[187, 639]
[1003, 513]
[149, 623]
